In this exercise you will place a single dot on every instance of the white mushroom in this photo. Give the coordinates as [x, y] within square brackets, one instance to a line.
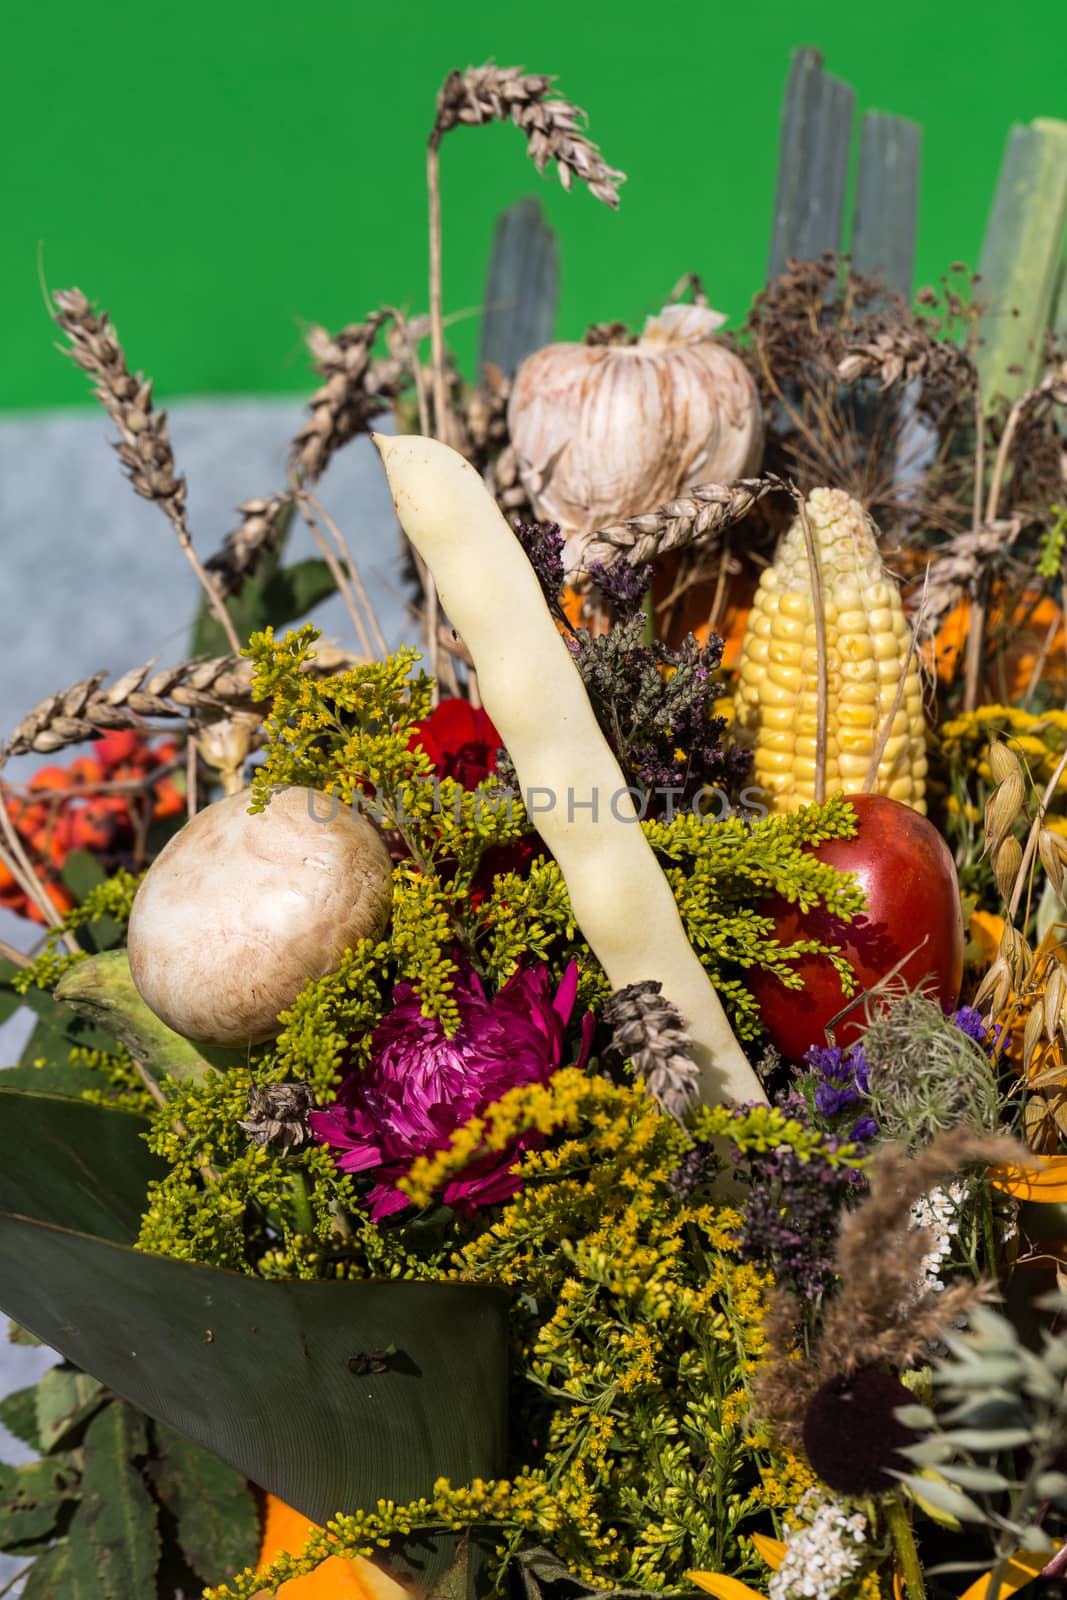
[239, 911]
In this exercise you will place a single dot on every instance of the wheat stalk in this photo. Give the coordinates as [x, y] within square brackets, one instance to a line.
[257, 534]
[144, 440]
[691, 519]
[356, 388]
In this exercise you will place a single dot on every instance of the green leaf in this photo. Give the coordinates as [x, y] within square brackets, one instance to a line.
[30, 1500]
[102, 992]
[69, 1163]
[118, 1514]
[57, 1575]
[66, 1399]
[942, 1497]
[82, 872]
[296, 590]
[263, 1374]
[213, 1506]
[18, 1414]
[983, 1480]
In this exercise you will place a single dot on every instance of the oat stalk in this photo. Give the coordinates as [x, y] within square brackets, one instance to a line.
[144, 446]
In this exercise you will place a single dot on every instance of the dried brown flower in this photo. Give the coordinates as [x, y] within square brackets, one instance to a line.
[553, 128]
[278, 1114]
[693, 518]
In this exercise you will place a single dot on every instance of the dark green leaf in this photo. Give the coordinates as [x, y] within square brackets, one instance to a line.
[213, 1507]
[52, 1078]
[30, 1499]
[296, 590]
[118, 1515]
[18, 1414]
[66, 1399]
[82, 872]
[75, 1165]
[52, 1577]
[256, 1372]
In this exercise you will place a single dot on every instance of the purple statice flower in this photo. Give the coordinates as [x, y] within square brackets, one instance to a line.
[970, 1021]
[840, 1077]
[419, 1085]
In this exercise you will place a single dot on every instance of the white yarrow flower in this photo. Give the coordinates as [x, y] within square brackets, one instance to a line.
[939, 1212]
[822, 1554]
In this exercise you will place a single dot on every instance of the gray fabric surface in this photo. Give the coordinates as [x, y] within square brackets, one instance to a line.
[93, 577]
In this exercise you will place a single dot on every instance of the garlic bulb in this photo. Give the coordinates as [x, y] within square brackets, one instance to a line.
[604, 432]
[238, 911]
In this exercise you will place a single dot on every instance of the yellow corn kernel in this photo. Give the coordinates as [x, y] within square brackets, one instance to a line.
[867, 640]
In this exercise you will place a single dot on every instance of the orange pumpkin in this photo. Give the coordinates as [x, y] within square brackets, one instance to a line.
[287, 1531]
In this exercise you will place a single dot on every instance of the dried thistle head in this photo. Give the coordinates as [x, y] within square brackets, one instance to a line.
[926, 1076]
[554, 129]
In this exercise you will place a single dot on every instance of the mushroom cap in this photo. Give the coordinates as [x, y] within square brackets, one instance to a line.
[239, 911]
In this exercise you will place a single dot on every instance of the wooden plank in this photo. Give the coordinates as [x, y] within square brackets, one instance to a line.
[1021, 255]
[822, 213]
[522, 288]
[802, 95]
[885, 220]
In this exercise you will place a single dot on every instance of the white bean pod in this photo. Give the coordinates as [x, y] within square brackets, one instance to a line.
[577, 794]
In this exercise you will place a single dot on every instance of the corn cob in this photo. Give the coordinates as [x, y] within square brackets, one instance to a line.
[867, 639]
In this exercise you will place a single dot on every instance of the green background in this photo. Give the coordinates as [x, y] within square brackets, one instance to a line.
[219, 174]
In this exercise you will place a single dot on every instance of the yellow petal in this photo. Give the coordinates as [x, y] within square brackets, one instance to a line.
[723, 1588]
[1047, 1182]
[772, 1550]
[1024, 1565]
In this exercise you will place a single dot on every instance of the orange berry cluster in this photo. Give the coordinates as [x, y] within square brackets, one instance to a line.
[69, 809]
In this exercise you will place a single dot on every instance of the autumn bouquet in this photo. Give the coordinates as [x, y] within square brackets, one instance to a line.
[584, 1117]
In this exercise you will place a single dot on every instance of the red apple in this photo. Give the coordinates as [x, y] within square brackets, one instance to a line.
[913, 923]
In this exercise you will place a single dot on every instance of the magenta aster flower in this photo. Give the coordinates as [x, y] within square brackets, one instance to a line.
[420, 1086]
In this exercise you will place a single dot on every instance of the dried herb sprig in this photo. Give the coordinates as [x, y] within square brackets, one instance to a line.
[694, 518]
[649, 1031]
[144, 446]
[879, 1263]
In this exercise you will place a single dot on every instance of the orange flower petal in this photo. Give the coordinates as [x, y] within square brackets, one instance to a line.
[1024, 1565]
[723, 1588]
[1046, 1183]
[772, 1550]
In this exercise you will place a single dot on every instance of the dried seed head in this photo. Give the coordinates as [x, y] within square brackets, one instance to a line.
[1035, 1025]
[1050, 849]
[1003, 762]
[1006, 863]
[1003, 809]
